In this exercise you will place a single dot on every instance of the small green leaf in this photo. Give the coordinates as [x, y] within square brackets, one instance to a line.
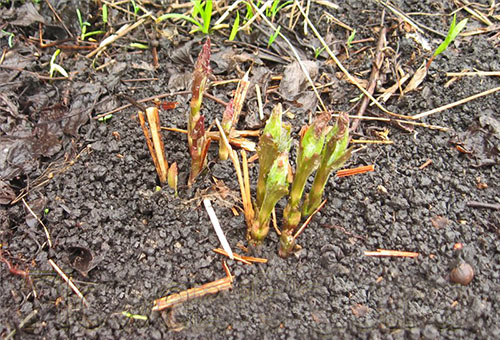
[351, 38]
[273, 37]
[453, 32]
[207, 16]
[135, 316]
[105, 13]
[236, 25]
[139, 45]
[105, 118]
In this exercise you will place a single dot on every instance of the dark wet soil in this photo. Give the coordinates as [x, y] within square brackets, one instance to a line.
[93, 185]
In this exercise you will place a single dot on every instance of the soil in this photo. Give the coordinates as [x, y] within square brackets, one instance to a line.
[93, 185]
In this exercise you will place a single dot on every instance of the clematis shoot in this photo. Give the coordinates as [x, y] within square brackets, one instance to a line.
[308, 160]
[272, 185]
[333, 156]
[197, 139]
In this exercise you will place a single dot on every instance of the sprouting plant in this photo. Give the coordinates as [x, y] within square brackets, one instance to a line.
[105, 118]
[236, 25]
[197, 139]
[275, 8]
[272, 184]
[308, 159]
[83, 27]
[453, 32]
[139, 46]
[273, 36]
[105, 13]
[135, 7]
[318, 51]
[316, 151]
[10, 38]
[351, 38]
[333, 156]
[201, 9]
[83, 24]
[55, 67]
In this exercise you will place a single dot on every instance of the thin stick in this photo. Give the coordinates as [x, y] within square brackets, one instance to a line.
[192, 293]
[244, 259]
[22, 324]
[275, 223]
[258, 94]
[370, 141]
[59, 19]
[68, 281]
[374, 76]
[246, 178]
[217, 227]
[215, 135]
[385, 252]
[426, 164]
[401, 121]
[474, 74]
[457, 103]
[49, 241]
[306, 223]
[475, 204]
[355, 171]
[126, 106]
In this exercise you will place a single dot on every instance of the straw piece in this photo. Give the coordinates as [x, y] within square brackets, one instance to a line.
[217, 227]
[355, 171]
[241, 258]
[68, 281]
[385, 252]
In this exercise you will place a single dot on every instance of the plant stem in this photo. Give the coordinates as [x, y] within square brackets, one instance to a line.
[197, 139]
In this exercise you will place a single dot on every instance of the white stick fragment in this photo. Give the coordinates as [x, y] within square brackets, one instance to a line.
[218, 229]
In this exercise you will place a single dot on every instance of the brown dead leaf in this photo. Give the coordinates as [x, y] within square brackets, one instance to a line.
[417, 78]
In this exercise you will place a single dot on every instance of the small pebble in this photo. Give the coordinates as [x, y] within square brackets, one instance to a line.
[462, 274]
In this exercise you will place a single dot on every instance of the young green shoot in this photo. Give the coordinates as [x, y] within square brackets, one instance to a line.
[275, 8]
[203, 10]
[318, 51]
[272, 185]
[351, 38]
[273, 37]
[236, 25]
[105, 13]
[453, 32]
[55, 67]
[83, 27]
[308, 160]
[139, 46]
[135, 8]
[10, 38]
[105, 118]
[333, 156]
